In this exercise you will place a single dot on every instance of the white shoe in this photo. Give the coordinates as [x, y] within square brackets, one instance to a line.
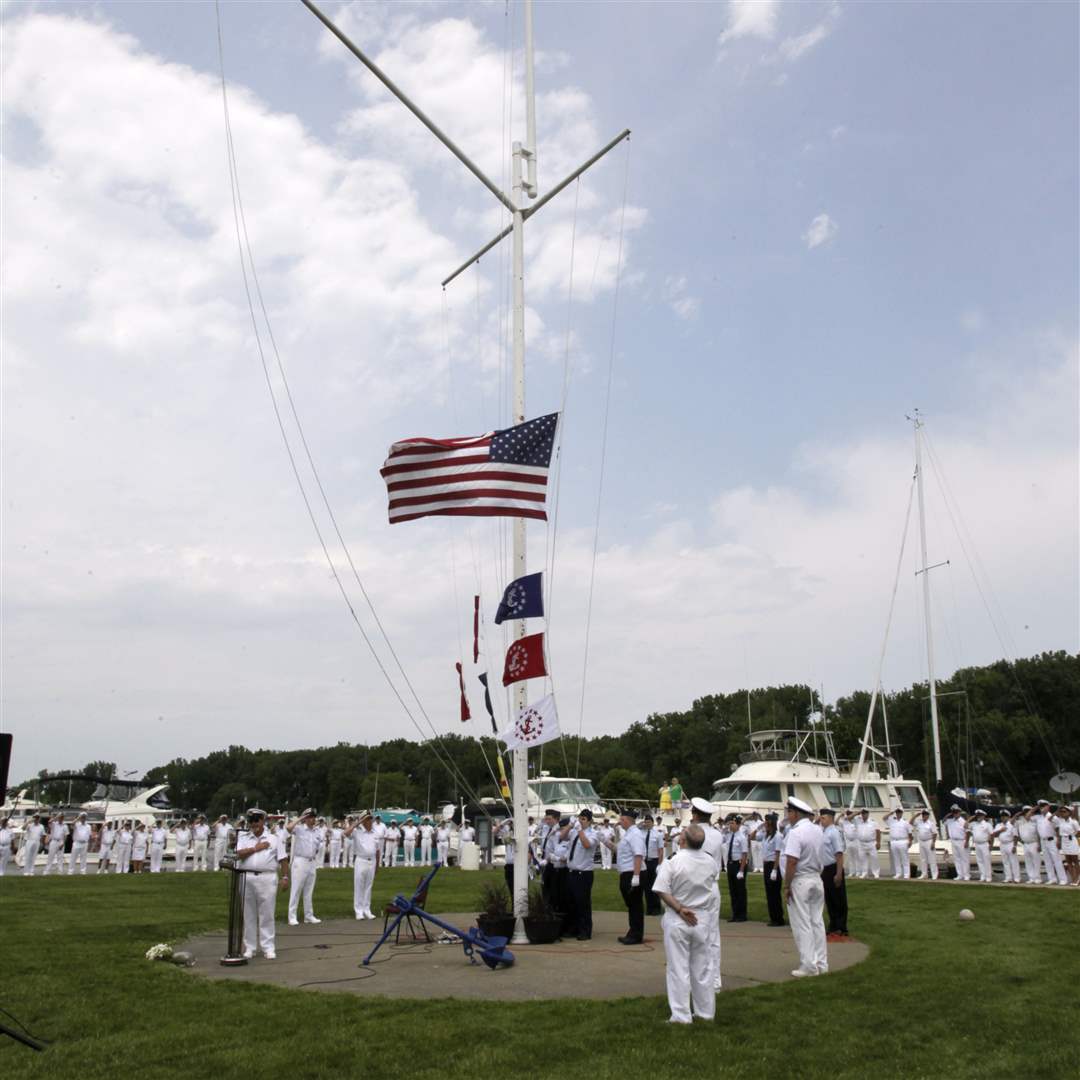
[249, 954]
[798, 973]
[312, 919]
[293, 922]
[718, 985]
[269, 956]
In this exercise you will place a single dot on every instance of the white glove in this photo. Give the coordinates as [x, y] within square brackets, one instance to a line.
[739, 876]
[775, 876]
[635, 881]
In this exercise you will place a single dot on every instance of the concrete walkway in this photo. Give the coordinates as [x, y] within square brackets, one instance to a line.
[327, 957]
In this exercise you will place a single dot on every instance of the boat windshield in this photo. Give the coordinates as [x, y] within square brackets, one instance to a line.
[840, 795]
[911, 798]
[562, 791]
[746, 792]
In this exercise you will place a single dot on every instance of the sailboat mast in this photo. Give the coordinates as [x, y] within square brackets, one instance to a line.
[521, 184]
[925, 571]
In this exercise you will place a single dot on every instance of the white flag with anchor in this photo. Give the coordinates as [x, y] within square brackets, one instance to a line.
[537, 723]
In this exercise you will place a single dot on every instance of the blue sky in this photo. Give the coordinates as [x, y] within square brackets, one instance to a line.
[835, 213]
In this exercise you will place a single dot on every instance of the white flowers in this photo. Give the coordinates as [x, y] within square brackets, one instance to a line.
[159, 952]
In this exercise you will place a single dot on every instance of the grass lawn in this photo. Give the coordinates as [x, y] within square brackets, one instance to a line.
[936, 998]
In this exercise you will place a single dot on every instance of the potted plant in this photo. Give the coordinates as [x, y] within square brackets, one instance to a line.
[543, 924]
[496, 915]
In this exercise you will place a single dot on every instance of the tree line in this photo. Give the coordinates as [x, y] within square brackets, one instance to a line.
[1007, 727]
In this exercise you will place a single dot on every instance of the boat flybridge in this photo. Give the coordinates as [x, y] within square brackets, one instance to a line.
[782, 763]
[567, 794]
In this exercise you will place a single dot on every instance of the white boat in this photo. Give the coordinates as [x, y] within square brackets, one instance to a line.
[569, 795]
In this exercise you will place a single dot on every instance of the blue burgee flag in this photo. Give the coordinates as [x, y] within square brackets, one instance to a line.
[523, 599]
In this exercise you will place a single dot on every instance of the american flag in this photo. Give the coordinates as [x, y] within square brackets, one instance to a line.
[501, 474]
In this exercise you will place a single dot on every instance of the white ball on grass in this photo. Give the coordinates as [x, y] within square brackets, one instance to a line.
[966, 915]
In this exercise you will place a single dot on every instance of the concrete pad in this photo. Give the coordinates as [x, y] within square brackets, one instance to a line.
[327, 957]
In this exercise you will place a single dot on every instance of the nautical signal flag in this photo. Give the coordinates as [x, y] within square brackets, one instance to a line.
[501, 474]
[537, 723]
[523, 599]
[465, 714]
[525, 660]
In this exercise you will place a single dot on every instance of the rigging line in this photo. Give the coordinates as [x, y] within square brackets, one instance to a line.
[972, 558]
[603, 454]
[554, 532]
[242, 241]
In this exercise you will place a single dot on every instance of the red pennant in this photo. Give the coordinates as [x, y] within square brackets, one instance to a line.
[525, 660]
[465, 714]
[475, 629]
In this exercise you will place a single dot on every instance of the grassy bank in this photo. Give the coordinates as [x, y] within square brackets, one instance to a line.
[936, 998]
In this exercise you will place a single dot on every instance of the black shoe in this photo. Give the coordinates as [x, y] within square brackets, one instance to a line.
[583, 937]
[629, 940]
[742, 919]
[780, 923]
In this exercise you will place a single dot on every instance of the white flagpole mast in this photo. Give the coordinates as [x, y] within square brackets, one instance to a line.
[524, 183]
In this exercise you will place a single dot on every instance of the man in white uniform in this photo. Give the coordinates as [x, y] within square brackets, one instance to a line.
[701, 811]
[182, 836]
[956, 831]
[868, 834]
[926, 834]
[427, 833]
[686, 884]
[365, 844]
[221, 841]
[80, 845]
[803, 862]
[6, 837]
[852, 849]
[201, 834]
[158, 836]
[981, 832]
[305, 851]
[606, 837]
[57, 835]
[125, 839]
[1046, 824]
[32, 845]
[390, 845]
[899, 843]
[337, 835]
[1028, 834]
[1005, 835]
[466, 835]
[261, 856]
[442, 843]
[105, 850]
[408, 839]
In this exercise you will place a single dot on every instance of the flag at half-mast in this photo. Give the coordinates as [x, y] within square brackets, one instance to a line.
[501, 474]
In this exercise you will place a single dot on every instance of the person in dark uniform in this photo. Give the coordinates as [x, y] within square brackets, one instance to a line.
[580, 859]
[654, 855]
[736, 854]
[549, 837]
[769, 837]
[630, 862]
[832, 877]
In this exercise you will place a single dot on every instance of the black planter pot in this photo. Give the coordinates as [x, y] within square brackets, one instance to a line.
[496, 925]
[543, 930]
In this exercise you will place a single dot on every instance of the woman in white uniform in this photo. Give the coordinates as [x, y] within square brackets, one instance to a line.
[139, 843]
[1069, 834]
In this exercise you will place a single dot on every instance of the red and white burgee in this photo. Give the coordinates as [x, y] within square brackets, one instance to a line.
[525, 660]
[537, 723]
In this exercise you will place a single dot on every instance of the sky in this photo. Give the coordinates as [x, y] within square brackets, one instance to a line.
[827, 216]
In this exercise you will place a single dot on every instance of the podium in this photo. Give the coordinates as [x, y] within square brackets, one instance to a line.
[234, 952]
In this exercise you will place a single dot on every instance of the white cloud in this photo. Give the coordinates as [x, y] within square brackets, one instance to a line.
[750, 19]
[793, 48]
[678, 297]
[820, 231]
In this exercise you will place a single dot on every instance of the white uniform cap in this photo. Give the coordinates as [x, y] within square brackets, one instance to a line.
[702, 805]
[798, 804]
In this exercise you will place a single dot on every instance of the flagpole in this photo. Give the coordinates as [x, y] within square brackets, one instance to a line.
[519, 780]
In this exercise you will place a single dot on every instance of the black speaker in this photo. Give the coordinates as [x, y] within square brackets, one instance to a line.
[5, 763]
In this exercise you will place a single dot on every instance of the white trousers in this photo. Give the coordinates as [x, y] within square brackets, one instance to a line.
[389, 852]
[961, 860]
[982, 861]
[55, 858]
[410, 854]
[335, 854]
[442, 851]
[898, 854]
[219, 853]
[157, 851]
[870, 865]
[756, 864]
[104, 855]
[1055, 865]
[260, 895]
[123, 858]
[1010, 864]
[78, 856]
[5, 856]
[1031, 861]
[927, 859]
[425, 852]
[689, 954]
[856, 867]
[807, 927]
[605, 857]
[303, 884]
[363, 877]
[181, 858]
[198, 859]
[30, 854]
